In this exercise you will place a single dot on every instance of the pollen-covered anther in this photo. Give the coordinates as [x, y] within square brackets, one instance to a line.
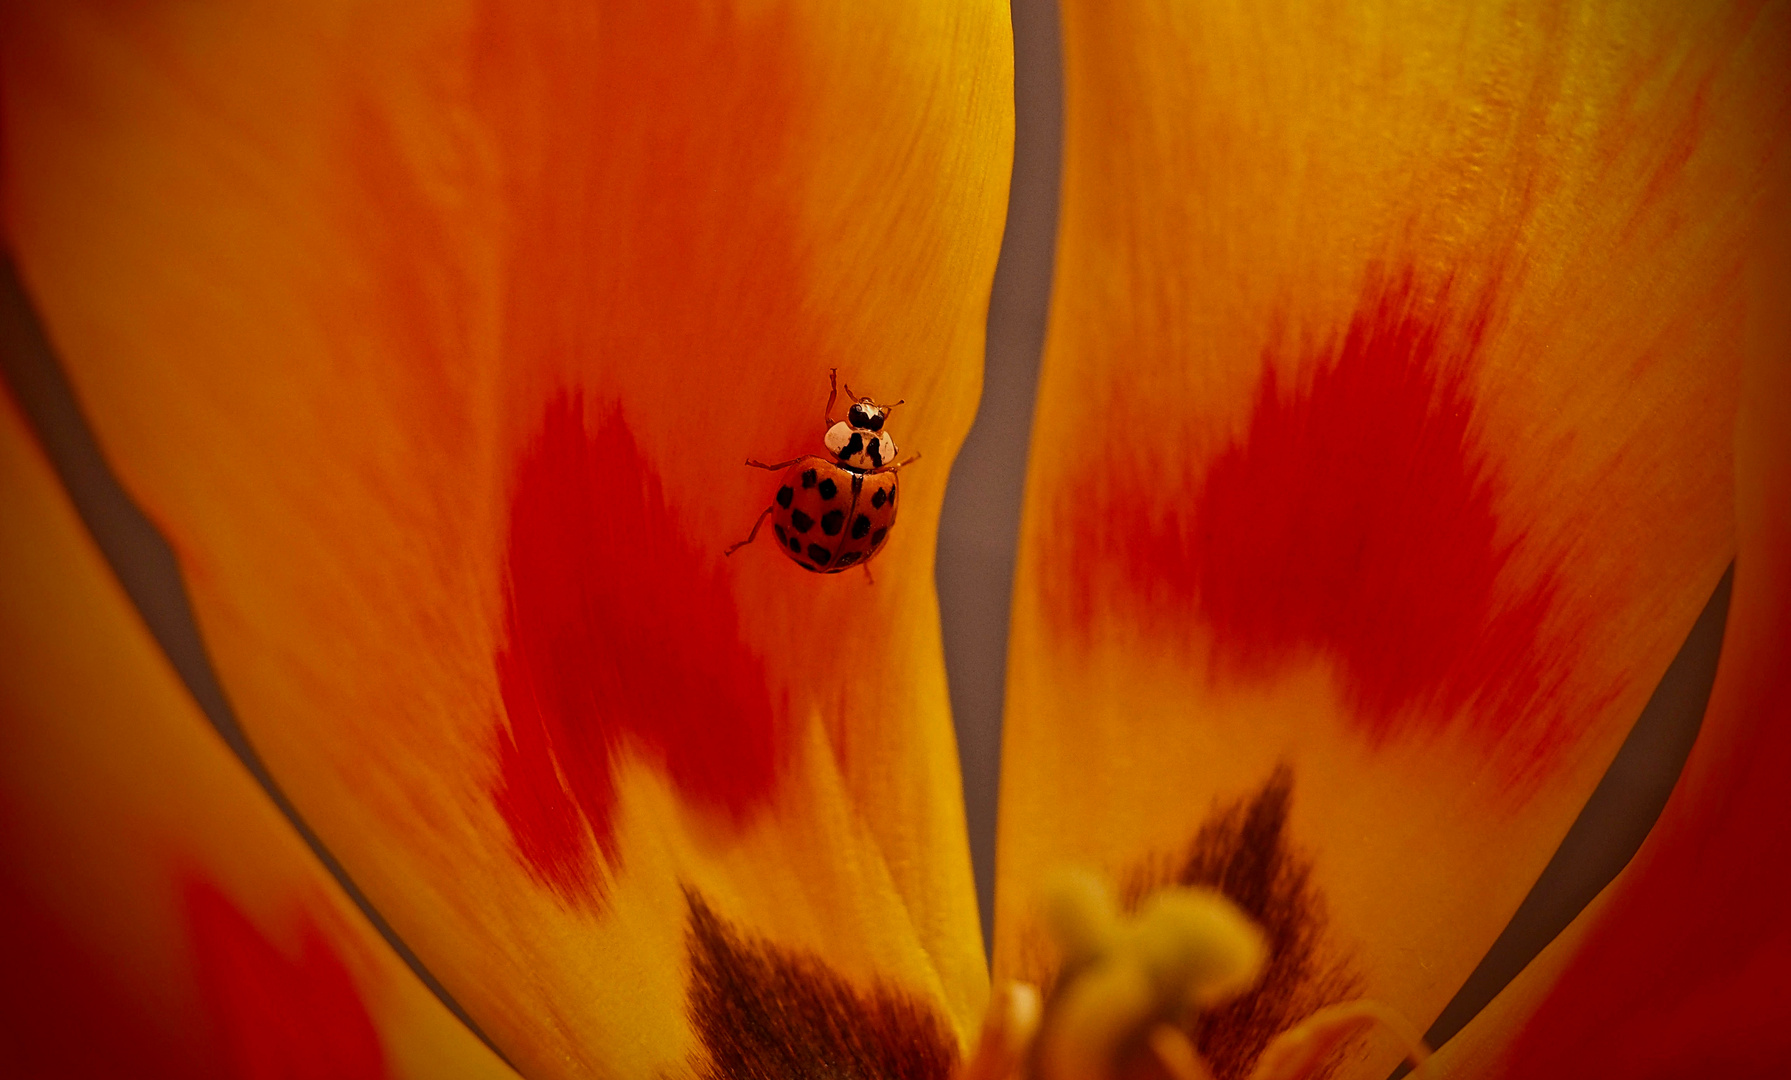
[1130, 987]
[1125, 980]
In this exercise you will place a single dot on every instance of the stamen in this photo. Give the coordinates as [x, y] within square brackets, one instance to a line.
[1302, 1049]
[1177, 1054]
[1185, 949]
[1008, 1030]
[1131, 985]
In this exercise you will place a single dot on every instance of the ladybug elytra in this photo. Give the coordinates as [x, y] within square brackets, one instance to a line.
[834, 512]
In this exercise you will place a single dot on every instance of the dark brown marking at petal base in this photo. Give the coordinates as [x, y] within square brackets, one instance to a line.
[1243, 851]
[762, 1012]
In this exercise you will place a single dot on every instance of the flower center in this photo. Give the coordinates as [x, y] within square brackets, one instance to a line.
[1131, 986]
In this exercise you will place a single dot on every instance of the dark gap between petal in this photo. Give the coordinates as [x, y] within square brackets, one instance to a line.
[979, 526]
[144, 565]
[1611, 826]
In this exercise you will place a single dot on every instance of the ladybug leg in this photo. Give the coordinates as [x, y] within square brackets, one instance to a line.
[869, 580]
[833, 391]
[784, 464]
[750, 535]
[902, 464]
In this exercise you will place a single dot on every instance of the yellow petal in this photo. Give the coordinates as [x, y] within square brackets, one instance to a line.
[161, 917]
[1380, 464]
[436, 340]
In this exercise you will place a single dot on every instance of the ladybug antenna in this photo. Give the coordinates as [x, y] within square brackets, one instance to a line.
[867, 400]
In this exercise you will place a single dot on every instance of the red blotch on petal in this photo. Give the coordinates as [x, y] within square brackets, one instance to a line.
[619, 635]
[283, 1017]
[1357, 517]
[1354, 519]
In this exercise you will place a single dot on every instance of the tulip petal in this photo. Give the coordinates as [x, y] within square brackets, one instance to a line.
[1678, 968]
[160, 917]
[435, 341]
[1380, 462]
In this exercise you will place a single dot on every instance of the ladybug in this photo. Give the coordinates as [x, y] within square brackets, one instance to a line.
[835, 511]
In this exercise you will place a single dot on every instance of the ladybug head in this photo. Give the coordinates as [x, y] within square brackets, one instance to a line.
[864, 415]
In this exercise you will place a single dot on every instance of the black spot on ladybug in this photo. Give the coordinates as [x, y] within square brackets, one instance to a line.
[801, 521]
[795, 544]
[853, 448]
[832, 521]
[877, 537]
[849, 558]
[857, 481]
[808, 478]
[828, 488]
[892, 495]
[820, 554]
[878, 498]
[784, 495]
[860, 526]
[782, 536]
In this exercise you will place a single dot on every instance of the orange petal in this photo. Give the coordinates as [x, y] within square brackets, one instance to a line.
[160, 918]
[436, 340]
[1679, 968]
[1380, 464]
